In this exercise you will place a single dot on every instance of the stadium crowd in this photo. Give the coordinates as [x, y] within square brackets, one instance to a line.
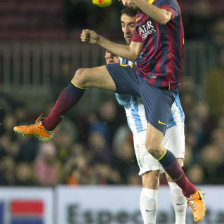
[96, 147]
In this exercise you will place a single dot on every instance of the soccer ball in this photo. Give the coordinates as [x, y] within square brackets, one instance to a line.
[102, 3]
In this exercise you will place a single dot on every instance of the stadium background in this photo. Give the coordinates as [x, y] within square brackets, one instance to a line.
[39, 53]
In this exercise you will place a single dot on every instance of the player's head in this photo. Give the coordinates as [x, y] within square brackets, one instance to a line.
[128, 23]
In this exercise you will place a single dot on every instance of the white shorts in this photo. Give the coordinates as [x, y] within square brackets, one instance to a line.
[174, 140]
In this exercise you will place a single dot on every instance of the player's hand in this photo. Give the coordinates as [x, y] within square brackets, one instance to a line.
[89, 36]
[110, 58]
[130, 3]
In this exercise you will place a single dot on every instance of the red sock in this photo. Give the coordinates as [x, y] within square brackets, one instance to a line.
[66, 100]
[174, 170]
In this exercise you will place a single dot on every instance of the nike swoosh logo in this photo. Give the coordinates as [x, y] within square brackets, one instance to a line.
[180, 203]
[148, 210]
[160, 122]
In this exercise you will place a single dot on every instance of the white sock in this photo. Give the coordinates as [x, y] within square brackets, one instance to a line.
[148, 205]
[179, 203]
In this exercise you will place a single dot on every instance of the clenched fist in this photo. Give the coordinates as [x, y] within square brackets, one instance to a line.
[110, 58]
[130, 3]
[89, 36]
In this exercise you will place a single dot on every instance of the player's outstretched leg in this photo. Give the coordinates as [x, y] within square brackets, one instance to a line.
[43, 128]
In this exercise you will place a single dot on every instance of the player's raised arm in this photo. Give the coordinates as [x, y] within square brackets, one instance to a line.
[160, 15]
[130, 52]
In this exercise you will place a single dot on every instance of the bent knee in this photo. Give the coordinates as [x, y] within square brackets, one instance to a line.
[153, 148]
[80, 78]
[150, 179]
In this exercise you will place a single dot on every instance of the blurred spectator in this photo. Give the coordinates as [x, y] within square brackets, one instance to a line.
[201, 124]
[99, 126]
[218, 30]
[123, 133]
[65, 135]
[47, 166]
[133, 179]
[77, 148]
[218, 138]
[7, 169]
[89, 122]
[62, 79]
[188, 157]
[214, 86]
[195, 173]
[197, 25]
[8, 123]
[124, 160]
[211, 161]
[78, 171]
[105, 174]
[6, 106]
[98, 148]
[8, 147]
[109, 113]
[188, 95]
[24, 174]
[20, 112]
[28, 149]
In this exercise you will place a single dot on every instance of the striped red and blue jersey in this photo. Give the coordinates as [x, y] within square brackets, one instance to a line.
[160, 61]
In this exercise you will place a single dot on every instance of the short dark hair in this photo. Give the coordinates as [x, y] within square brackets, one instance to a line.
[129, 12]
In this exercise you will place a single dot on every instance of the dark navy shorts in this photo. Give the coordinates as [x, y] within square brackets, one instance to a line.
[157, 101]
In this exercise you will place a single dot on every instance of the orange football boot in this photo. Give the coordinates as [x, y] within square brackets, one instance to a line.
[197, 205]
[36, 130]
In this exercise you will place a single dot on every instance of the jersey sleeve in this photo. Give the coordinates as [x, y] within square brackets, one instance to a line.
[136, 37]
[170, 6]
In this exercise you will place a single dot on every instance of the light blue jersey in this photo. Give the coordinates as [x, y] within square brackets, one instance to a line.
[135, 111]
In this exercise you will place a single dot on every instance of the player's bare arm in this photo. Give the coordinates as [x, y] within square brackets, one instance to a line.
[161, 16]
[130, 52]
